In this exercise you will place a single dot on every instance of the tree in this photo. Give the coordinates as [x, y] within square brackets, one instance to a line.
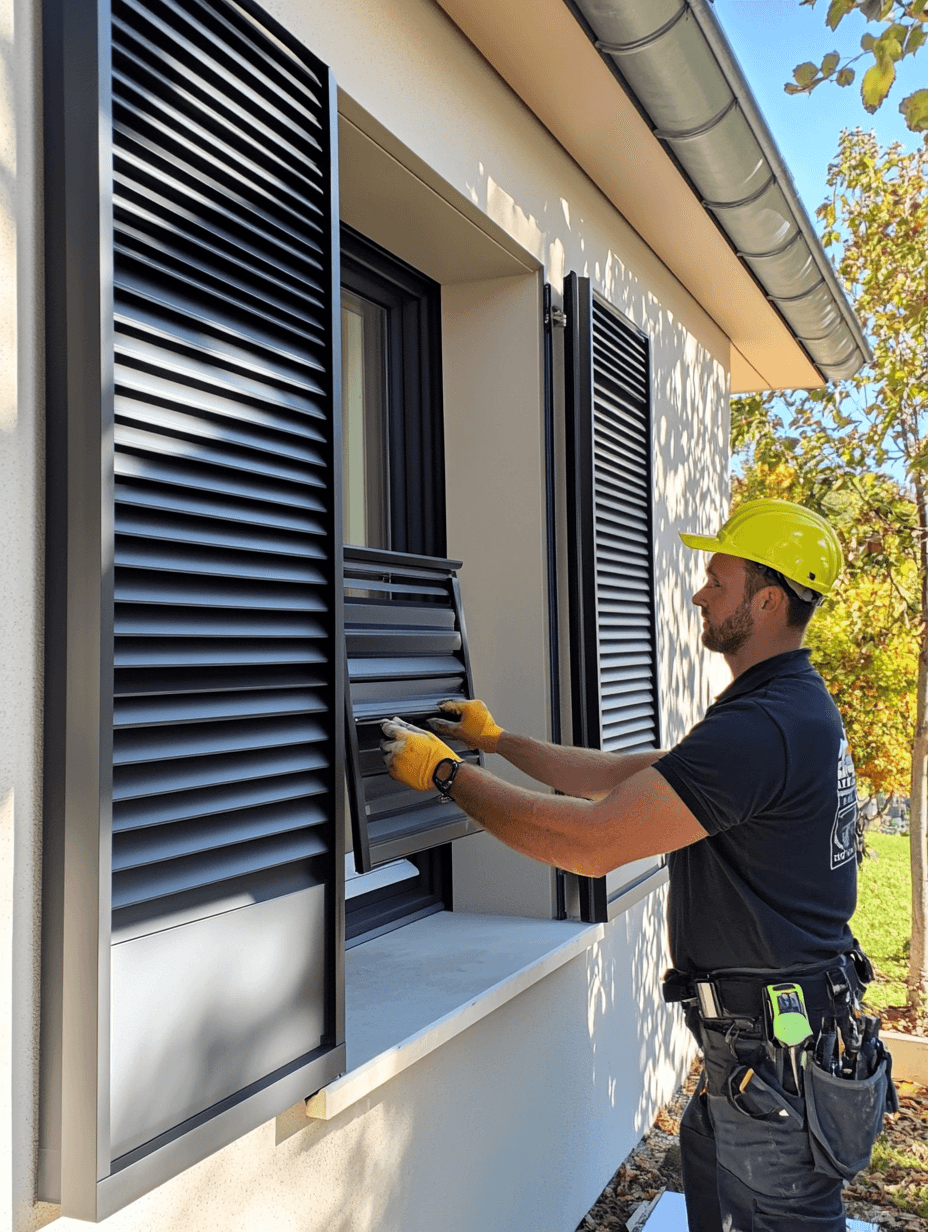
[847, 441]
[863, 639]
[902, 28]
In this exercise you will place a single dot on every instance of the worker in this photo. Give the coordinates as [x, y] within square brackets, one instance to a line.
[757, 808]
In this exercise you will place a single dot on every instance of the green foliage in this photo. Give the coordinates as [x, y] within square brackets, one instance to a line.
[902, 31]
[882, 922]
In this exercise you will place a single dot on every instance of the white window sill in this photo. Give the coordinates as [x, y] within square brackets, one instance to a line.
[428, 982]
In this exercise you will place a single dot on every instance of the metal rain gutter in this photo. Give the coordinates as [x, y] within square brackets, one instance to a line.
[675, 59]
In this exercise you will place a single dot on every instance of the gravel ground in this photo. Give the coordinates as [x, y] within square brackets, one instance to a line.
[654, 1165]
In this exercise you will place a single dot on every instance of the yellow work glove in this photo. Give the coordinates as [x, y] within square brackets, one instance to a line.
[412, 754]
[475, 727]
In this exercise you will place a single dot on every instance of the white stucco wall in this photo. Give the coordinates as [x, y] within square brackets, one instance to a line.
[20, 610]
[519, 1121]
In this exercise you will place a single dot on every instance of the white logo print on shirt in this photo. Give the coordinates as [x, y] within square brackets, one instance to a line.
[844, 831]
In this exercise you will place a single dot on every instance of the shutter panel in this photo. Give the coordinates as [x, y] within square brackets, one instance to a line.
[406, 651]
[613, 639]
[220, 648]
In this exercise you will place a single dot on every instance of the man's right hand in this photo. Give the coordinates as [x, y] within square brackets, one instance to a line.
[473, 724]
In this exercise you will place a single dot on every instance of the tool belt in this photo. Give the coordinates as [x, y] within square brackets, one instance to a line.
[733, 995]
[839, 1102]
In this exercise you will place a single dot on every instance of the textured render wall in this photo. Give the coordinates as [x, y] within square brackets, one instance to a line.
[519, 1122]
[495, 483]
[20, 612]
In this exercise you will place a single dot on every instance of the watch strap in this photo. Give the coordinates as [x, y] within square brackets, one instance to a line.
[444, 781]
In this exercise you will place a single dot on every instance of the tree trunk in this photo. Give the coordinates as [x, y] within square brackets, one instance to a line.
[918, 819]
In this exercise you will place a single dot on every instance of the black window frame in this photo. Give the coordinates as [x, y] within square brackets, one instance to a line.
[415, 420]
[415, 479]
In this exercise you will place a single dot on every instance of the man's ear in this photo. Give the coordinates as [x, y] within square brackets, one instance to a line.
[772, 599]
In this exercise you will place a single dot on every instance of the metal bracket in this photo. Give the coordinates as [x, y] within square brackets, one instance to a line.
[556, 316]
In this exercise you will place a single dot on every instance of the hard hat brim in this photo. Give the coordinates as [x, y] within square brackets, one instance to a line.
[702, 543]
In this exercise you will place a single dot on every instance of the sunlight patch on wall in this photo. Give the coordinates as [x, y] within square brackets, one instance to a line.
[557, 259]
[504, 211]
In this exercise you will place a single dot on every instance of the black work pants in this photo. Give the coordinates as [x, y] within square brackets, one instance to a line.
[744, 1173]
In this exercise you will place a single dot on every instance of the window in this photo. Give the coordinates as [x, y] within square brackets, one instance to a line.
[612, 629]
[404, 626]
[392, 440]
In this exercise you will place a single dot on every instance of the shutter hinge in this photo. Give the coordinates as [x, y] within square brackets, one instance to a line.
[556, 316]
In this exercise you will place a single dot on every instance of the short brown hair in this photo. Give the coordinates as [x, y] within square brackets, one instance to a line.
[757, 576]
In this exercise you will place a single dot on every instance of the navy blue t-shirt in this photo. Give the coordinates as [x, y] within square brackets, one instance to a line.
[768, 774]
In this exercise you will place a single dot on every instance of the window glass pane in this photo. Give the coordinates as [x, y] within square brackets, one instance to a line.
[364, 413]
[387, 875]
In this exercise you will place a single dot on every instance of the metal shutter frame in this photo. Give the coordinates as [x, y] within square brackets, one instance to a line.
[613, 635]
[194, 675]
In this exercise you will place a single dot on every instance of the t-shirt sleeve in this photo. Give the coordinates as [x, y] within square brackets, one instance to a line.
[731, 766]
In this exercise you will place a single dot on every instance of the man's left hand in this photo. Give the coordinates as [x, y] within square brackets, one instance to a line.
[412, 754]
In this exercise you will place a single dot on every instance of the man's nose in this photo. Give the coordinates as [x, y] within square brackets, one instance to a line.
[698, 597]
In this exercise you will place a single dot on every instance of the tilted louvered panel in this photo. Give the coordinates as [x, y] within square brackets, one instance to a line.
[612, 622]
[406, 651]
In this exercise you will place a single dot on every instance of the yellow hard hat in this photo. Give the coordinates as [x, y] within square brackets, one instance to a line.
[783, 536]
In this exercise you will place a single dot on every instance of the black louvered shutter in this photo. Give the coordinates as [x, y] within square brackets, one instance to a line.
[612, 629]
[221, 637]
[406, 651]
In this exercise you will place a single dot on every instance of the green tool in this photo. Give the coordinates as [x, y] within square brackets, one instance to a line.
[788, 1022]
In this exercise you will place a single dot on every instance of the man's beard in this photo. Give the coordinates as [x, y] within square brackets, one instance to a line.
[732, 633]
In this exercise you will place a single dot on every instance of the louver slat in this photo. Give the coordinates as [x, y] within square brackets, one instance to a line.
[406, 652]
[613, 638]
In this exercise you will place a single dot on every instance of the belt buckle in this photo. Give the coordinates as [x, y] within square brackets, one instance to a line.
[710, 1004]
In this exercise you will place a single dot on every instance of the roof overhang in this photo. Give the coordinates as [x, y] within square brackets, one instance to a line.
[658, 145]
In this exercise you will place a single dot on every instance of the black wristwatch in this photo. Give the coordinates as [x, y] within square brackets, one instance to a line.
[443, 781]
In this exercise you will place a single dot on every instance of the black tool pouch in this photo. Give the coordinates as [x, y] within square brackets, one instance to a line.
[845, 1117]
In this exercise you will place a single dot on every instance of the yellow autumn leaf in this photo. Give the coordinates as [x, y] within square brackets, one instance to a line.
[876, 84]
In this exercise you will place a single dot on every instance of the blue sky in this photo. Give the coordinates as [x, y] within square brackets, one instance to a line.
[770, 37]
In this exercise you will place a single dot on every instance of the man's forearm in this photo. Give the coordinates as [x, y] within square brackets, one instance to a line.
[641, 817]
[589, 773]
[519, 818]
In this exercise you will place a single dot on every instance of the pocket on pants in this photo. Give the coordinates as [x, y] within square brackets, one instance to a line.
[846, 1116]
[763, 1140]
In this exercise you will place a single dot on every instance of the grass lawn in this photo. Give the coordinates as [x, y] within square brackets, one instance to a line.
[883, 922]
